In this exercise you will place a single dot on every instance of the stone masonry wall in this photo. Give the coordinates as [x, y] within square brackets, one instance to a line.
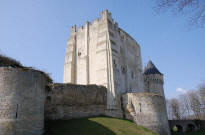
[153, 83]
[66, 101]
[22, 97]
[148, 110]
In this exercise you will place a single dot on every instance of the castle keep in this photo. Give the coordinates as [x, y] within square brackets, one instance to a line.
[103, 75]
[101, 53]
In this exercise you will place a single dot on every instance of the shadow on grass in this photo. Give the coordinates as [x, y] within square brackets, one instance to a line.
[200, 132]
[72, 127]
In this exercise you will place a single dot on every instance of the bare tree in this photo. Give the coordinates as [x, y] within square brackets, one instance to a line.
[169, 109]
[194, 8]
[202, 92]
[185, 105]
[174, 104]
[202, 97]
[195, 103]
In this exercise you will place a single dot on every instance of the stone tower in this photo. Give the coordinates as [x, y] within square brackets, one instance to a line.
[153, 79]
[22, 96]
[102, 53]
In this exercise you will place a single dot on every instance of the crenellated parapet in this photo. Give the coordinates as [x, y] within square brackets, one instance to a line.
[105, 15]
[73, 29]
[103, 18]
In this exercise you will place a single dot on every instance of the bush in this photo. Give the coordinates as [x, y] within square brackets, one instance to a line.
[8, 62]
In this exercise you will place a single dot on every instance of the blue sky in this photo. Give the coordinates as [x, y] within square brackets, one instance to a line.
[35, 32]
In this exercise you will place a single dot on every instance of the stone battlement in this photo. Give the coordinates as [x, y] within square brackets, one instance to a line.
[105, 15]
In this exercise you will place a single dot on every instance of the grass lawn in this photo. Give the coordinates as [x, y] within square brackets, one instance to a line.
[95, 126]
[201, 132]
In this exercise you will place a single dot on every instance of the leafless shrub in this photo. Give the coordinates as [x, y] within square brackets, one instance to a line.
[7, 61]
[174, 104]
[195, 103]
[10, 62]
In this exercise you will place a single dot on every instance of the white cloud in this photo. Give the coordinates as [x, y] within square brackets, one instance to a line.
[180, 90]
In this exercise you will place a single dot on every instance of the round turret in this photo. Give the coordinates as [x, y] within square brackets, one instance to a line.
[148, 110]
[22, 96]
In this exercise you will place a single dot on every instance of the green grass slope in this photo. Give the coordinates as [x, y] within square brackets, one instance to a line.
[95, 126]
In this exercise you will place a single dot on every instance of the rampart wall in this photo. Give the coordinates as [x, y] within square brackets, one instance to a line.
[66, 101]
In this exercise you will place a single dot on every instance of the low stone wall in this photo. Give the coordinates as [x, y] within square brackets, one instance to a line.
[22, 98]
[148, 110]
[66, 101]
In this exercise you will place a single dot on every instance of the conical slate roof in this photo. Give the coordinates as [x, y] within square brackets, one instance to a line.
[151, 69]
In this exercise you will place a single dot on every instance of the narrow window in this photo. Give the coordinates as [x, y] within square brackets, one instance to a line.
[115, 65]
[132, 74]
[79, 53]
[123, 69]
[140, 107]
[16, 111]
